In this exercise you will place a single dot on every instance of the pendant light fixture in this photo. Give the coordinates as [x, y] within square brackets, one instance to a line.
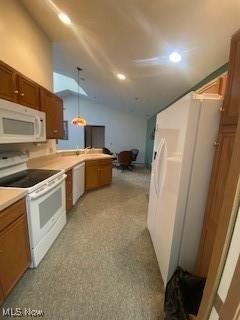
[78, 121]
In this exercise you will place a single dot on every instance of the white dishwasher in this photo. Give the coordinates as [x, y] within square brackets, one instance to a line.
[78, 182]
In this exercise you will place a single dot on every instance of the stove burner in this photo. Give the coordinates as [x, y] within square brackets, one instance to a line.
[27, 178]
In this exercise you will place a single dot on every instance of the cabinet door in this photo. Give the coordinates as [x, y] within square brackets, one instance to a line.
[58, 106]
[91, 177]
[14, 253]
[69, 195]
[8, 88]
[28, 92]
[215, 197]
[105, 174]
[231, 103]
[53, 107]
[47, 106]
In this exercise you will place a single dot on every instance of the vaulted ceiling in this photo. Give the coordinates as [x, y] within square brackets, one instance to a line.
[135, 37]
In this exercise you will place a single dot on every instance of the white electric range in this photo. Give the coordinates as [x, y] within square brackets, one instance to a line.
[45, 200]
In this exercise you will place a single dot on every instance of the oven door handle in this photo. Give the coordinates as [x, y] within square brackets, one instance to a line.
[36, 195]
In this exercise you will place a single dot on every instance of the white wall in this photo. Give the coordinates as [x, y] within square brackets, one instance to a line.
[26, 48]
[123, 131]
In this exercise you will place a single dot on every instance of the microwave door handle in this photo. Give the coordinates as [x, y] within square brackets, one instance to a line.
[160, 169]
[38, 121]
[36, 195]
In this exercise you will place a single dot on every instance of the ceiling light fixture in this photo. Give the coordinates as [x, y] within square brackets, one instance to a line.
[175, 57]
[121, 76]
[64, 18]
[78, 121]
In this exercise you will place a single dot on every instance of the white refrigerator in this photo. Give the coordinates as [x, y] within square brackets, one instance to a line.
[181, 169]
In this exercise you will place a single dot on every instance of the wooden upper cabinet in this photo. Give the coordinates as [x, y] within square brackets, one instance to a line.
[8, 88]
[46, 105]
[231, 103]
[217, 86]
[53, 107]
[220, 170]
[28, 92]
[58, 106]
[223, 84]
[17, 88]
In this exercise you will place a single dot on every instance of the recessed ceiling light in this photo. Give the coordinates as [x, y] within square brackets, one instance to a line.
[175, 57]
[121, 76]
[64, 18]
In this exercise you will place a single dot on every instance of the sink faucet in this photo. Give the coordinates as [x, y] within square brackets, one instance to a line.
[87, 149]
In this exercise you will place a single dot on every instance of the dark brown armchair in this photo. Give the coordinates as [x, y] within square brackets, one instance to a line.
[124, 160]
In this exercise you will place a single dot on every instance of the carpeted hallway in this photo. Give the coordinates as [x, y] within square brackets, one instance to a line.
[102, 266]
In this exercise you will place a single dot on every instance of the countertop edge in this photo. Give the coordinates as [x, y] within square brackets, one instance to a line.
[20, 195]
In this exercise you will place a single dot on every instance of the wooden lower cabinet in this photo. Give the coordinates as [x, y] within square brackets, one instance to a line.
[105, 172]
[220, 170]
[14, 246]
[69, 194]
[91, 174]
[98, 173]
[1, 295]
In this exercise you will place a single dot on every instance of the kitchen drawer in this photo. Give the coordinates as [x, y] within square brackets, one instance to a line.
[105, 161]
[10, 214]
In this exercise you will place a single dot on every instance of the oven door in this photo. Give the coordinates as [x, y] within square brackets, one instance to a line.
[44, 209]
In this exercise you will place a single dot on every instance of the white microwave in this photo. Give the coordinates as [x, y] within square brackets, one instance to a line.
[21, 124]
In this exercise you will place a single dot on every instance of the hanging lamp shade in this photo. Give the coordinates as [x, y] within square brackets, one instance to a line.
[78, 120]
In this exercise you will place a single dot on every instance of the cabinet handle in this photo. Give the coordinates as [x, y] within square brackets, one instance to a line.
[16, 91]
[22, 94]
[216, 144]
[55, 131]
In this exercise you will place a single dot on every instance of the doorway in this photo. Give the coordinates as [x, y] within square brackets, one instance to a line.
[94, 136]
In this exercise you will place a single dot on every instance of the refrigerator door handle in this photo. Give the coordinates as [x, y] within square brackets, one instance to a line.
[160, 169]
[156, 167]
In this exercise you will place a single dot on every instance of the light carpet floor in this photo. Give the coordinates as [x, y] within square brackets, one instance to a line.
[102, 266]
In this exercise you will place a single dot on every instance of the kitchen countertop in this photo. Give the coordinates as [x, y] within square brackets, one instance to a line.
[57, 161]
[65, 162]
[10, 195]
